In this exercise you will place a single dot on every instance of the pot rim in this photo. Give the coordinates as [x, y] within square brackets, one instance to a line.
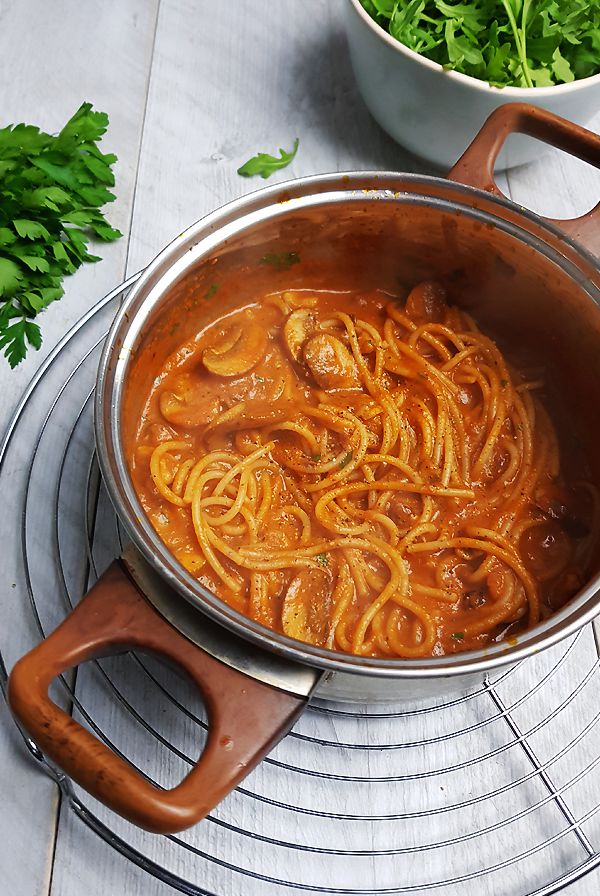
[511, 92]
[200, 240]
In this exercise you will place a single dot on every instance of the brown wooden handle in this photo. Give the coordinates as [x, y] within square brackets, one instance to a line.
[475, 167]
[246, 718]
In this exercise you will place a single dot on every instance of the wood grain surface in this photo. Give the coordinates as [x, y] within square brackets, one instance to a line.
[193, 88]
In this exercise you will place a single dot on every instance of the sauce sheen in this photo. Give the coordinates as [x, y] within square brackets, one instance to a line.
[365, 474]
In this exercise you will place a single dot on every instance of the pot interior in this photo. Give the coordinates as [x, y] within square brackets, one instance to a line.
[526, 287]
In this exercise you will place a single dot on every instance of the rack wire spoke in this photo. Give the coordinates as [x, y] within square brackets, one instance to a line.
[355, 801]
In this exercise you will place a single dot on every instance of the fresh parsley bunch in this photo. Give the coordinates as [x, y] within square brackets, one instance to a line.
[524, 43]
[51, 192]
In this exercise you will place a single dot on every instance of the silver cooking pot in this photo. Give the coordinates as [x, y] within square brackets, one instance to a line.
[527, 280]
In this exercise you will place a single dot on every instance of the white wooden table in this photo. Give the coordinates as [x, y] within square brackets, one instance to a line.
[193, 88]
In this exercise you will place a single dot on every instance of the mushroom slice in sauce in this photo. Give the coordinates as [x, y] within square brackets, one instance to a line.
[192, 403]
[299, 326]
[426, 303]
[306, 606]
[330, 363]
[237, 352]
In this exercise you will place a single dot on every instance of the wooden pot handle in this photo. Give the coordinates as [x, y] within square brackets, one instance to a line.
[475, 168]
[246, 717]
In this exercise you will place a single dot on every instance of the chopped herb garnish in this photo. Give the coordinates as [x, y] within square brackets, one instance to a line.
[458, 636]
[266, 165]
[346, 459]
[52, 190]
[322, 559]
[281, 261]
[504, 383]
[316, 458]
[211, 291]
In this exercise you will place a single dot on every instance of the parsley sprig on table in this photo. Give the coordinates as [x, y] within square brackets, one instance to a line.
[265, 164]
[51, 192]
[523, 43]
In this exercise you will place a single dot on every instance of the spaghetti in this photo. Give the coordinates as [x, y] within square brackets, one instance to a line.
[364, 475]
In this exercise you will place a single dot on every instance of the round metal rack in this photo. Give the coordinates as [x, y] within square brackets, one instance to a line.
[496, 791]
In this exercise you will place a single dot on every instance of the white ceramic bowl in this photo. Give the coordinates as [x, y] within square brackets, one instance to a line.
[436, 113]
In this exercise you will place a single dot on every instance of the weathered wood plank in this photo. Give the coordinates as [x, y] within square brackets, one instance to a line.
[219, 92]
[52, 58]
[222, 88]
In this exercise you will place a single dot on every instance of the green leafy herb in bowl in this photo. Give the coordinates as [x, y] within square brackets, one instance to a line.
[51, 192]
[432, 71]
[522, 43]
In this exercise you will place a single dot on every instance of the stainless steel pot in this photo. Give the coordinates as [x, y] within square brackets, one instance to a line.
[527, 279]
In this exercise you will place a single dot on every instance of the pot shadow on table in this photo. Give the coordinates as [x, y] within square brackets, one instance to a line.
[323, 88]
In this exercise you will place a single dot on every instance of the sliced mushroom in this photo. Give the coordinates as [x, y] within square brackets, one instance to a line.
[299, 326]
[158, 432]
[427, 303]
[226, 340]
[546, 549]
[251, 414]
[330, 363]
[299, 299]
[237, 351]
[307, 605]
[192, 402]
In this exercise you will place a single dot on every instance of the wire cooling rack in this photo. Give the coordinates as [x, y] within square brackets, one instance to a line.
[493, 792]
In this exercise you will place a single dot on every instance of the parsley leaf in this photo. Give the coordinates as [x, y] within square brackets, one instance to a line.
[281, 261]
[51, 192]
[458, 636]
[524, 43]
[322, 559]
[10, 277]
[266, 165]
